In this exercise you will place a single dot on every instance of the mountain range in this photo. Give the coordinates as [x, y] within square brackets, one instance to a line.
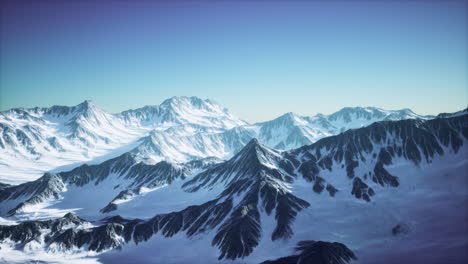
[190, 183]
[37, 140]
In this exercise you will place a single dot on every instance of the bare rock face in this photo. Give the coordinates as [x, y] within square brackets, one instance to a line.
[401, 229]
[317, 252]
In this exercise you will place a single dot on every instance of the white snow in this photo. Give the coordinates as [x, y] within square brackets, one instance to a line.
[89, 134]
[431, 198]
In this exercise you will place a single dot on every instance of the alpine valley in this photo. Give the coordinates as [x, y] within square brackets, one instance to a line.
[188, 182]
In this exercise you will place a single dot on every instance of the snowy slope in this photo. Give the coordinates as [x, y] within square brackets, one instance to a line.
[176, 144]
[181, 129]
[39, 139]
[186, 142]
[182, 110]
[377, 189]
[36, 140]
[94, 190]
[291, 131]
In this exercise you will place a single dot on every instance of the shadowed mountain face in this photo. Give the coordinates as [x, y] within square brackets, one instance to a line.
[256, 198]
[65, 233]
[130, 178]
[318, 252]
[458, 113]
[260, 176]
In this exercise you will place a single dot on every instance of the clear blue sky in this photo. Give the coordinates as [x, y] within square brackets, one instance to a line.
[258, 58]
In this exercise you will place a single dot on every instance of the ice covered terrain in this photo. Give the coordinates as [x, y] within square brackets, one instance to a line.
[389, 192]
[181, 129]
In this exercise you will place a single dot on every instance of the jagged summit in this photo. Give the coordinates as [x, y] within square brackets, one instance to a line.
[289, 118]
[287, 131]
[255, 163]
[57, 110]
[177, 101]
[254, 150]
[86, 103]
[87, 106]
[181, 110]
[291, 115]
[348, 114]
[291, 130]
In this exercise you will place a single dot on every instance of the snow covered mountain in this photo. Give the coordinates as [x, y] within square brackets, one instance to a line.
[40, 139]
[34, 131]
[291, 131]
[398, 179]
[184, 143]
[36, 140]
[182, 110]
[187, 141]
[107, 186]
[181, 129]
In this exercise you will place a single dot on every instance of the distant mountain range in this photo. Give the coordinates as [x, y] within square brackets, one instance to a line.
[36, 140]
[197, 185]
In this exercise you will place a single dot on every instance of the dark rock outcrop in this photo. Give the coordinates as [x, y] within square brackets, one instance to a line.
[317, 252]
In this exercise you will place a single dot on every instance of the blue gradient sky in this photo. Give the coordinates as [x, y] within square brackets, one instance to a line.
[259, 59]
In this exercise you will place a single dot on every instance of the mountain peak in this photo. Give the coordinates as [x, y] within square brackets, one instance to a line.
[62, 110]
[255, 151]
[407, 110]
[288, 119]
[354, 109]
[254, 141]
[87, 109]
[290, 115]
[350, 114]
[86, 104]
[185, 100]
[254, 163]
[194, 110]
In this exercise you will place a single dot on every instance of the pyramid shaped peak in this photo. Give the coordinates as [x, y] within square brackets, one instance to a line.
[70, 215]
[87, 103]
[257, 151]
[254, 141]
[289, 115]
